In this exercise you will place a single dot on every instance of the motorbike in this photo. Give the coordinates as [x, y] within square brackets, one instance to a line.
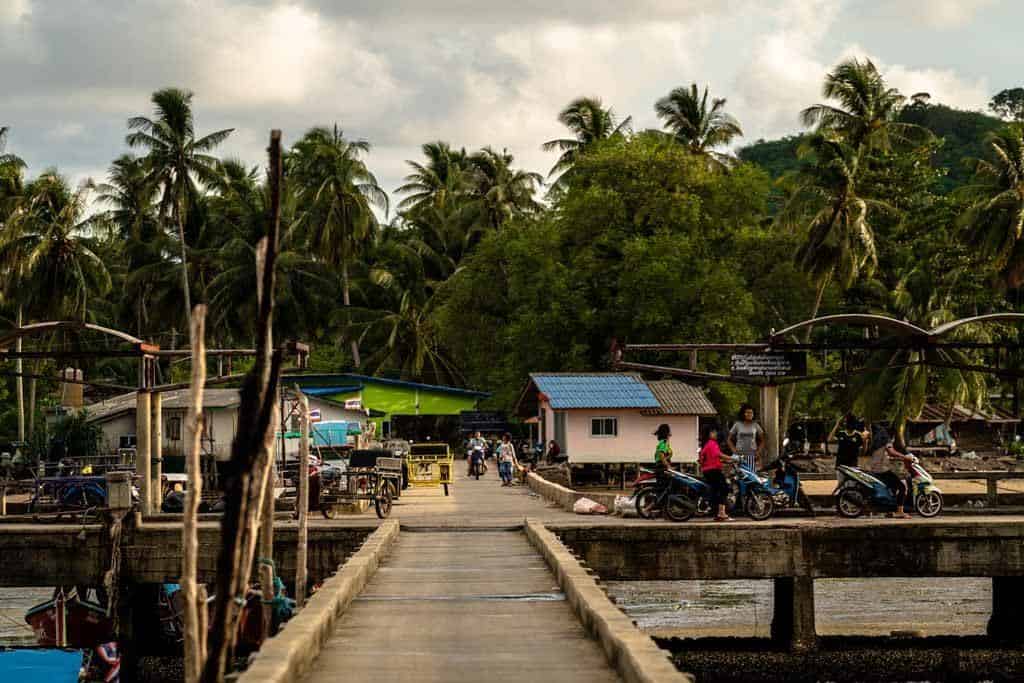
[476, 463]
[787, 491]
[678, 497]
[858, 490]
[754, 493]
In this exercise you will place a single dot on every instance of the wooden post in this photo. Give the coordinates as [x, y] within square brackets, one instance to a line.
[3, 500]
[156, 450]
[770, 420]
[142, 445]
[195, 601]
[266, 551]
[992, 490]
[303, 502]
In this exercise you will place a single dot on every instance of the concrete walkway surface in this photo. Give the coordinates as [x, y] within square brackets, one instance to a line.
[461, 606]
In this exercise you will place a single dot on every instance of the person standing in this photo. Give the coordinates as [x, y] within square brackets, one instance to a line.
[711, 468]
[746, 438]
[851, 441]
[506, 459]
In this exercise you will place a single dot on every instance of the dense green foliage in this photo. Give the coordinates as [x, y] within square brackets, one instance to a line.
[469, 278]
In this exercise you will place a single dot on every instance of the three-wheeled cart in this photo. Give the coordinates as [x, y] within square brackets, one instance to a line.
[371, 475]
[430, 464]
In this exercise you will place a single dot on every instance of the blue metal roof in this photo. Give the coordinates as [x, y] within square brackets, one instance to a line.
[329, 391]
[595, 391]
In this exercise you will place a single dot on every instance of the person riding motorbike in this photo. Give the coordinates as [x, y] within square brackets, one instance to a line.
[662, 454]
[475, 450]
[885, 461]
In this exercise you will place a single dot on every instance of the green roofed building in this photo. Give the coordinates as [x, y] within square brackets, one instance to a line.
[392, 402]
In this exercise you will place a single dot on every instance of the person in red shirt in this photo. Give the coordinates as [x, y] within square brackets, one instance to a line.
[711, 467]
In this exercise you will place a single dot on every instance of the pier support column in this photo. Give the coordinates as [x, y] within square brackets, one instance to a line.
[142, 449]
[793, 618]
[156, 450]
[1007, 606]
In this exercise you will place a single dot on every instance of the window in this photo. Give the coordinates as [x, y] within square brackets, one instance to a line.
[174, 428]
[604, 427]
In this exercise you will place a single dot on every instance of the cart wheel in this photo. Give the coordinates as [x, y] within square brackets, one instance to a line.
[329, 511]
[382, 502]
[446, 489]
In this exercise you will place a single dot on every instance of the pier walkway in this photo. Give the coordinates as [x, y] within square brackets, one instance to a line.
[462, 606]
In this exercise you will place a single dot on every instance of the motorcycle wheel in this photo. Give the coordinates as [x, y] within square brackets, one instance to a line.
[759, 506]
[382, 503]
[679, 508]
[645, 499]
[850, 503]
[703, 507]
[928, 504]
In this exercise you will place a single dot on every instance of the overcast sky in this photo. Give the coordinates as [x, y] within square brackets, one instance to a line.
[471, 72]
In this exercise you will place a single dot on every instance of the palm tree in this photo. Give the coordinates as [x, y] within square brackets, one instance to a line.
[589, 121]
[995, 219]
[865, 117]
[176, 159]
[696, 125]
[11, 190]
[501, 192]
[340, 194]
[7, 161]
[48, 261]
[439, 181]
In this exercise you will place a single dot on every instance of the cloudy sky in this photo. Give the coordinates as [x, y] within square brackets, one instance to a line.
[472, 72]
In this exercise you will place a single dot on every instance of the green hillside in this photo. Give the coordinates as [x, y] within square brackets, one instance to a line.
[962, 134]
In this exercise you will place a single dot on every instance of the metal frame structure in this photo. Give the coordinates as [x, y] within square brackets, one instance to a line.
[148, 406]
[901, 335]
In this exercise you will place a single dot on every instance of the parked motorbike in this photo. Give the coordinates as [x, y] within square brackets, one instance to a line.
[677, 496]
[786, 488]
[858, 490]
[754, 493]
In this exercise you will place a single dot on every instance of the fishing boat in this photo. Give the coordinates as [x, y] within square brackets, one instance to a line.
[68, 620]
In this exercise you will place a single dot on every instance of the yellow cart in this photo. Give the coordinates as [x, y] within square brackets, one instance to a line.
[430, 464]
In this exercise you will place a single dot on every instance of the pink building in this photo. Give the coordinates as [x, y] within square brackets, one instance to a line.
[611, 417]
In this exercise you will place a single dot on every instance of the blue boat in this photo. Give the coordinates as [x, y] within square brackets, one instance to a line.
[40, 665]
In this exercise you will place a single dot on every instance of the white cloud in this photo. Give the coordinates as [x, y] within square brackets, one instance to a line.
[13, 11]
[947, 14]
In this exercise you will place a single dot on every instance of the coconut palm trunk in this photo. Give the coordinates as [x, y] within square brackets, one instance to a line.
[184, 265]
[787, 403]
[347, 301]
[20, 383]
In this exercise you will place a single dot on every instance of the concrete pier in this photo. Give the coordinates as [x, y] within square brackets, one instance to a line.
[793, 615]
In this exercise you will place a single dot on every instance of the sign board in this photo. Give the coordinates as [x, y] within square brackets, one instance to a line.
[769, 364]
[315, 415]
[353, 404]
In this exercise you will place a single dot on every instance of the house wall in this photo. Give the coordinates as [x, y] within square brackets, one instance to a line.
[114, 429]
[635, 441]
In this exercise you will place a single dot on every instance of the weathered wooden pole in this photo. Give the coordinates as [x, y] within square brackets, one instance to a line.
[156, 450]
[303, 501]
[195, 607]
[266, 550]
[770, 420]
[245, 474]
[142, 446]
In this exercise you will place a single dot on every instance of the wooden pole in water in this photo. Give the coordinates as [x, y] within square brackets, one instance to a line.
[303, 500]
[266, 551]
[195, 607]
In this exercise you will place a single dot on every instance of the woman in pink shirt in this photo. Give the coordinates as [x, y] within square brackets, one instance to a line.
[711, 467]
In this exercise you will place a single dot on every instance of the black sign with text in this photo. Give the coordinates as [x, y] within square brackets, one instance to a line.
[769, 364]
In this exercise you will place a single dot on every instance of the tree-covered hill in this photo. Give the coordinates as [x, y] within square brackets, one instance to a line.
[962, 134]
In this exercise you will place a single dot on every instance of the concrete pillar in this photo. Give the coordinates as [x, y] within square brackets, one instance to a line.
[793, 618]
[156, 449]
[770, 420]
[119, 491]
[1005, 624]
[142, 449]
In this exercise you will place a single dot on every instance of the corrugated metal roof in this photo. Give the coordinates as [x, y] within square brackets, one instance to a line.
[179, 399]
[679, 398]
[593, 390]
[932, 412]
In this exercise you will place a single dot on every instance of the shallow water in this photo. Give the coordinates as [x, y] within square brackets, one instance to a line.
[955, 606]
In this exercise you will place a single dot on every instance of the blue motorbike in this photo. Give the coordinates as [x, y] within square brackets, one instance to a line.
[754, 493]
[679, 496]
[858, 490]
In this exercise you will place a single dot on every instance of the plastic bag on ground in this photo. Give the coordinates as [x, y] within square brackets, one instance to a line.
[625, 506]
[585, 506]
